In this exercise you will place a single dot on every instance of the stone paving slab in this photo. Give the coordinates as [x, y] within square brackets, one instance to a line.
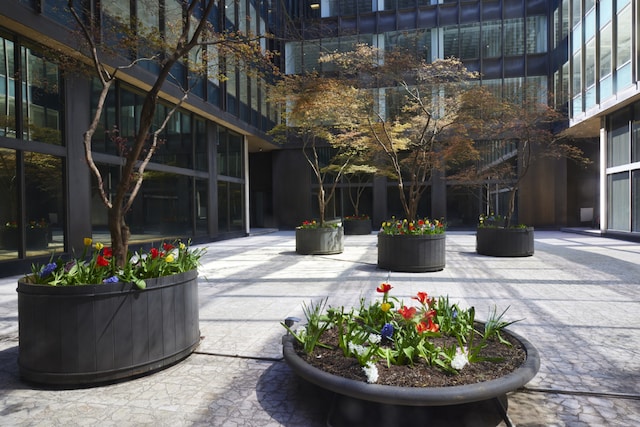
[578, 298]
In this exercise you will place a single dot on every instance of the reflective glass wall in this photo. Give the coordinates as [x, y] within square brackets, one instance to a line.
[32, 159]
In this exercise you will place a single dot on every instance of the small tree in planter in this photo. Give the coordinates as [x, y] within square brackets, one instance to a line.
[424, 132]
[191, 41]
[321, 113]
[357, 177]
[523, 132]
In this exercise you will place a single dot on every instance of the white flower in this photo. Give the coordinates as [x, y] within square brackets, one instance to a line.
[371, 371]
[375, 338]
[357, 349]
[460, 360]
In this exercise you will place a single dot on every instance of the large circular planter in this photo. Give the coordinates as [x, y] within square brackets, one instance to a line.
[91, 334]
[487, 396]
[357, 226]
[505, 242]
[411, 253]
[320, 241]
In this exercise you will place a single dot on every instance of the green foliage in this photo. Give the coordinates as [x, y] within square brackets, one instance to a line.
[416, 227]
[99, 266]
[436, 331]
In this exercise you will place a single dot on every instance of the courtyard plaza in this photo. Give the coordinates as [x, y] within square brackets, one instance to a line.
[577, 300]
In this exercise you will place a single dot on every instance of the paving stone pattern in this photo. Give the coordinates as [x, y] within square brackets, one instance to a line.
[578, 298]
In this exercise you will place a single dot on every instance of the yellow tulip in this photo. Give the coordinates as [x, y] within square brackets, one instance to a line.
[88, 241]
[385, 306]
[99, 246]
[169, 258]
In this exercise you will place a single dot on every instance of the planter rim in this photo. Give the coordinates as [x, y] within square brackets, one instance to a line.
[509, 230]
[416, 396]
[90, 290]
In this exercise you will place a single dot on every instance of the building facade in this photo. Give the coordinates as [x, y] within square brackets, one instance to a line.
[197, 185]
[218, 173]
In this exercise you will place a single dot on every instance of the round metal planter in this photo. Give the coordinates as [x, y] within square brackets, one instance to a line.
[320, 241]
[92, 334]
[505, 242]
[357, 226]
[411, 253]
[480, 402]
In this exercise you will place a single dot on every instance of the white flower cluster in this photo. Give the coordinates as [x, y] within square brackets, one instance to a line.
[357, 349]
[460, 360]
[371, 371]
[375, 338]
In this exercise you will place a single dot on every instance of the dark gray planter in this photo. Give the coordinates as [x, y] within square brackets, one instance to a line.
[447, 405]
[505, 242]
[411, 253]
[91, 334]
[320, 241]
[357, 226]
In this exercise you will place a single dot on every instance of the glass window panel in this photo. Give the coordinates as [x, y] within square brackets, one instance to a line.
[590, 25]
[565, 18]
[469, 41]
[605, 50]
[606, 87]
[45, 205]
[7, 90]
[577, 74]
[311, 54]
[223, 206]
[635, 200]
[42, 106]
[575, 12]
[605, 12]
[492, 39]
[236, 206]
[618, 203]
[514, 37]
[202, 206]
[623, 77]
[590, 63]
[635, 141]
[619, 141]
[623, 39]
[536, 34]
[577, 105]
[576, 39]
[201, 147]
[450, 42]
[117, 8]
[9, 205]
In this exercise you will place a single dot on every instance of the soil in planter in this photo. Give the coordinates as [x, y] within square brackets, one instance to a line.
[420, 374]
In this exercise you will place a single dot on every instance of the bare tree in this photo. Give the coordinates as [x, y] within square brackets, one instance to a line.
[191, 40]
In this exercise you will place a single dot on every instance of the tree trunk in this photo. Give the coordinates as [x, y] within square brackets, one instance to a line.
[119, 231]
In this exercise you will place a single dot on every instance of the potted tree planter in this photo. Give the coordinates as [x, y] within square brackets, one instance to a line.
[505, 242]
[357, 225]
[125, 323]
[412, 246]
[312, 239]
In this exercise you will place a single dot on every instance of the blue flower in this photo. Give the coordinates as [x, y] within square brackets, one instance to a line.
[48, 269]
[112, 279]
[387, 330]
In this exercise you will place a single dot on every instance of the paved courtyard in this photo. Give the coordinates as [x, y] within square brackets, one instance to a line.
[578, 298]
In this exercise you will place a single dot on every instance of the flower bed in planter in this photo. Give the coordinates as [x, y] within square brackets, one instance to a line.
[434, 355]
[91, 334]
[505, 242]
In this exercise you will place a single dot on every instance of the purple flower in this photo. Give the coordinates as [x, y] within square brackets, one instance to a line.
[112, 279]
[48, 269]
[387, 330]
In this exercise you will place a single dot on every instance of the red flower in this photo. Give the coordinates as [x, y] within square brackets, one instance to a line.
[101, 261]
[420, 222]
[422, 297]
[107, 252]
[167, 246]
[430, 314]
[154, 253]
[407, 312]
[432, 327]
[421, 327]
[384, 288]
